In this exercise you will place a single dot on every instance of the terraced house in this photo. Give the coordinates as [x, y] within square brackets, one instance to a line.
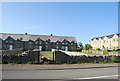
[41, 42]
[107, 42]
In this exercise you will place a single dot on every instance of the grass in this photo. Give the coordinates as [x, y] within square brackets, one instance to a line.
[47, 54]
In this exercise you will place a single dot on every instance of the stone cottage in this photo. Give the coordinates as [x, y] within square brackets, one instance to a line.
[42, 42]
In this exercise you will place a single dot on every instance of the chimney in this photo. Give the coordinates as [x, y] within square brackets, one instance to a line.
[51, 34]
[25, 33]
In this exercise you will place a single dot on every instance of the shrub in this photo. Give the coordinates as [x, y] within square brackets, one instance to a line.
[114, 59]
[98, 49]
[32, 62]
[105, 52]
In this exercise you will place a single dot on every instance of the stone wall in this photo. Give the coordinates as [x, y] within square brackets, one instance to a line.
[101, 52]
[114, 53]
[63, 57]
[21, 58]
[14, 51]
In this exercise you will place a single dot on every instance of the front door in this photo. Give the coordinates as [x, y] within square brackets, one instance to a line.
[66, 48]
[40, 48]
[10, 47]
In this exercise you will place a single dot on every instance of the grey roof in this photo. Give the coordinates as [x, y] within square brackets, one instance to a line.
[28, 37]
[108, 36]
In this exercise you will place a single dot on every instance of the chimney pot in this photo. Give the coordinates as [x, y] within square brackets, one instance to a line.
[51, 35]
[25, 33]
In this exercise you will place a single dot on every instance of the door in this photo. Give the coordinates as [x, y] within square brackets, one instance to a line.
[66, 48]
[10, 47]
[40, 48]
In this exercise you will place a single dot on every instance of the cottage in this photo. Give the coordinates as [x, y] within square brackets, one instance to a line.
[41, 42]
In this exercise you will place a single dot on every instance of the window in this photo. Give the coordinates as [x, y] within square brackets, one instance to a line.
[36, 42]
[71, 43]
[10, 41]
[36, 47]
[46, 46]
[57, 43]
[40, 42]
[66, 43]
[6, 41]
[113, 40]
[104, 41]
[46, 43]
[63, 43]
[57, 47]
[63, 47]
[30, 42]
[5, 45]
[116, 39]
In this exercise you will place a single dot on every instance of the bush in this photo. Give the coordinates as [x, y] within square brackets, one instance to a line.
[32, 62]
[98, 49]
[105, 52]
[114, 59]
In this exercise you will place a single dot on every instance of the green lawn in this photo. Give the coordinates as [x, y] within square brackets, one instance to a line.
[47, 54]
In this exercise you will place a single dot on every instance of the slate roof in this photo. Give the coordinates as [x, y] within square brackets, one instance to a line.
[28, 37]
[108, 36]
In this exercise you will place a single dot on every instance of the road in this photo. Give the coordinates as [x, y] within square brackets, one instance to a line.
[70, 73]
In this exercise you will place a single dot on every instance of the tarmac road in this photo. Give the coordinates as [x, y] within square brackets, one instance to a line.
[110, 72]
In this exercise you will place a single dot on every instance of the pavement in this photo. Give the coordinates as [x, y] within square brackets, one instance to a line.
[56, 66]
[60, 72]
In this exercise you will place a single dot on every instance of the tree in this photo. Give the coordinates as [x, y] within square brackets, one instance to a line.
[80, 46]
[87, 47]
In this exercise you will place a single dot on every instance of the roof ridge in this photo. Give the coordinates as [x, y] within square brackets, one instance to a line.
[106, 35]
[36, 35]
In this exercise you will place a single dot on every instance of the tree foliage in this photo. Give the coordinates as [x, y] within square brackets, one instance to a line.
[87, 47]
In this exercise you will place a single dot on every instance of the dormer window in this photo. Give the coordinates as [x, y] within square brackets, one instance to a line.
[30, 42]
[71, 43]
[36, 42]
[66, 43]
[46, 43]
[40, 42]
[10, 41]
[6, 41]
[57, 43]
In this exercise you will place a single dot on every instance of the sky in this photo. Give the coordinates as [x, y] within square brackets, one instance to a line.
[83, 20]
